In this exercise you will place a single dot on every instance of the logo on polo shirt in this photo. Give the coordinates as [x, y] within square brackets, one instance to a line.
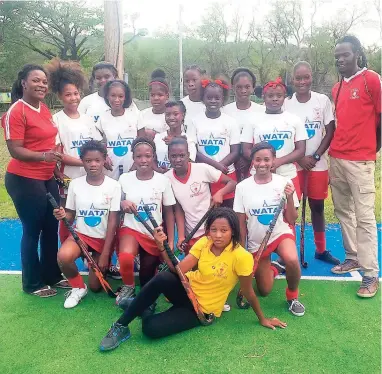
[195, 188]
[354, 93]
[276, 138]
[164, 163]
[92, 216]
[312, 127]
[212, 145]
[152, 208]
[77, 144]
[264, 214]
[120, 146]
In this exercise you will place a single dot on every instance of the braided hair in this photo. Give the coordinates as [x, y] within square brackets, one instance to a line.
[356, 47]
[17, 88]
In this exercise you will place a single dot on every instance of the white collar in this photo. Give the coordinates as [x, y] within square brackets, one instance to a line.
[353, 76]
[31, 106]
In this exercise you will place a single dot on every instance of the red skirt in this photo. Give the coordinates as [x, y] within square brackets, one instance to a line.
[94, 243]
[215, 187]
[148, 244]
[273, 246]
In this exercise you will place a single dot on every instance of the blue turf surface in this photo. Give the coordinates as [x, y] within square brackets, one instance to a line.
[10, 234]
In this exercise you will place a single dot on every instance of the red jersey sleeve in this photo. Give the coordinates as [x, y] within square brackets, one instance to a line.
[373, 81]
[13, 123]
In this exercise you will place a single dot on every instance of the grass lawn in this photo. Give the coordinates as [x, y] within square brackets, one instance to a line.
[40, 336]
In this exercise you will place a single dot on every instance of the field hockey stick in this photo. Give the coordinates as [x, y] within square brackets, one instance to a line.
[304, 264]
[163, 266]
[195, 229]
[241, 303]
[97, 271]
[203, 319]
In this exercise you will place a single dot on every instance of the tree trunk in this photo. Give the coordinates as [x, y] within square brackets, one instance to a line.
[114, 34]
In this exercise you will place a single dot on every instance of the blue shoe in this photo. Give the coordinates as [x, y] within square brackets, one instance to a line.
[114, 337]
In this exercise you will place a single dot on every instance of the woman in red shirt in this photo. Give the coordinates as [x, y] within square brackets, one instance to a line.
[30, 134]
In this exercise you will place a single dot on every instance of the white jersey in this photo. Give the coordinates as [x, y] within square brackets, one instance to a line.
[282, 131]
[193, 108]
[243, 116]
[152, 121]
[92, 205]
[316, 114]
[120, 132]
[153, 192]
[259, 203]
[72, 134]
[193, 192]
[213, 137]
[94, 105]
[162, 150]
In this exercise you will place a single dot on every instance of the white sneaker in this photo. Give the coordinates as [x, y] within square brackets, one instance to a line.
[226, 308]
[74, 296]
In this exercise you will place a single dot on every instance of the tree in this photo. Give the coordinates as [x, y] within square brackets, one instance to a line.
[51, 29]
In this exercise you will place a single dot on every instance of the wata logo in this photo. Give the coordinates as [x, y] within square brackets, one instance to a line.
[120, 146]
[264, 214]
[312, 127]
[165, 163]
[276, 138]
[212, 145]
[77, 144]
[93, 216]
[152, 207]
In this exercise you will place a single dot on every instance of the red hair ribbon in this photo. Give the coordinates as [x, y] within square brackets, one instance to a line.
[273, 84]
[206, 82]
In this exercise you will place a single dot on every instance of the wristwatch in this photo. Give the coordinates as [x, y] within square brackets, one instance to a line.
[317, 157]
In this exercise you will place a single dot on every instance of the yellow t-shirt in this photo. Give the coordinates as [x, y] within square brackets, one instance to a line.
[217, 275]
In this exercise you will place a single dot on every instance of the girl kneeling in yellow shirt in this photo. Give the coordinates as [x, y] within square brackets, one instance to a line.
[220, 261]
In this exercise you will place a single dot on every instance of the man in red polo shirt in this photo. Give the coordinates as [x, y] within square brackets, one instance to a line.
[352, 153]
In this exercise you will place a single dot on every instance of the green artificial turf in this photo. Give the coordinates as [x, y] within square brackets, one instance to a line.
[340, 333]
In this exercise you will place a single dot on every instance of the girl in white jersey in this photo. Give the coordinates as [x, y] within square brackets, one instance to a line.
[285, 131]
[74, 129]
[153, 119]
[315, 110]
[193, 76]
[256, 200]
[94, 104]
[191, 185]
[216, 135]
[120, 126]
[140, 187]
[174, 115]
[94, 202]
[243, 109]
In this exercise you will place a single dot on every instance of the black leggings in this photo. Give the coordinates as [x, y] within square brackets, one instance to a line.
[39, 224]
[180, 317]
[148, 266]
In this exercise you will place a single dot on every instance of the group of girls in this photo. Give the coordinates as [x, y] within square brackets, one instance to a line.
[179, 158]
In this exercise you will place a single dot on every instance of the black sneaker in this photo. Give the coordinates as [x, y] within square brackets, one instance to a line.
[296, 308]
[125, 293]
[327, 257]
[149, 311]
[279, 265]
[113, 272]
[114, 337]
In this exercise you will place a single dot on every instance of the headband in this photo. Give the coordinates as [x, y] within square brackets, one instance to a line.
[273, 84]
[160, 83]
[206, 82]
[146, 143]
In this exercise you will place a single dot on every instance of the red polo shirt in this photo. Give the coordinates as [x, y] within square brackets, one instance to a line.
[36, 128]
[357, 111]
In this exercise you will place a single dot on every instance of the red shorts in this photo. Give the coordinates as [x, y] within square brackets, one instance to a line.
[296, 184]
[94, 243]
[318, 183]
[273, 246]
[143, 240]
[215, 187]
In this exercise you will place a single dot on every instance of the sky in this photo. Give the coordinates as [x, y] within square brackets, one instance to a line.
[163, 15]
